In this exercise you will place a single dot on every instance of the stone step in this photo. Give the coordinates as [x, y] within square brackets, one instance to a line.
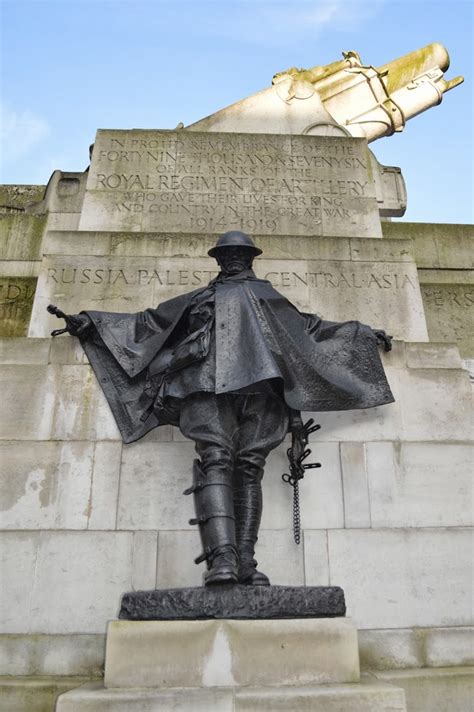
[34, 694]
[367, 696]
[449, 689]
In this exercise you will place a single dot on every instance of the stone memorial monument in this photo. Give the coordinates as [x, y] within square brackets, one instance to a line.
[87, 518]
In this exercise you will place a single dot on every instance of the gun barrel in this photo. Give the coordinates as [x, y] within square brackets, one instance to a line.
[375, 102]
[403, 70]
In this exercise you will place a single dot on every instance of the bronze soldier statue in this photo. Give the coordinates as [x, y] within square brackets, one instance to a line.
[232, 365]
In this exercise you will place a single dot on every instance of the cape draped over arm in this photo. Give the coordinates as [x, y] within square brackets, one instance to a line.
[322, 365]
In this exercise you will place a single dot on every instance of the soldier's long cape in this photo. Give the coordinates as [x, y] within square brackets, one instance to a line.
[323, 365]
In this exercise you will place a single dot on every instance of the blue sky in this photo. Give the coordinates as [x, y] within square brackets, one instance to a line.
[69, 68]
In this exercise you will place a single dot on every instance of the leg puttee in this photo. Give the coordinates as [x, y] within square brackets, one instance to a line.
[214, 506]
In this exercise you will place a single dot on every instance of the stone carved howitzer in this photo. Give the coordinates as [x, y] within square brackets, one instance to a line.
[345, 97]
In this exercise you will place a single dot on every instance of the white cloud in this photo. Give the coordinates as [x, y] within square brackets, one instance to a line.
[271, 22]
[20, 132]
[317, 15]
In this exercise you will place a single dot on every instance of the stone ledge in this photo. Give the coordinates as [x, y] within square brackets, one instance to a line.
[408, 648]
[234, 601]
[437, 245]
[446, 276]
[34, 694]
[428, 689]
[77, 654]
[368, 696]
[40, 655]
[15, 350]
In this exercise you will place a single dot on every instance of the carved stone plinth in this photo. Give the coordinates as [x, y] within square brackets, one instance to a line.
[229, 601]
[231, 653]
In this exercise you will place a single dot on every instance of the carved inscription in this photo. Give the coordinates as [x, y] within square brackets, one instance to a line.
[208, 183]
[448, 296]
[16, 302]
[183, 277]
[450, 314]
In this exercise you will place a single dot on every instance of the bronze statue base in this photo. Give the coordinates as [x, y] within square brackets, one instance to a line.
[234, 601]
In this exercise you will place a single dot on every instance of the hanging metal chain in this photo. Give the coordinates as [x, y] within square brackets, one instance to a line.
[296, 513]
[297, 470]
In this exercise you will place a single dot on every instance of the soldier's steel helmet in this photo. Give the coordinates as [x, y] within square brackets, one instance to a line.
[234, 238]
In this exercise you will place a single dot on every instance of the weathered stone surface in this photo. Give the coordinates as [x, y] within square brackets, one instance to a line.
[178, 549]
[45, 484]
[102, 509]
[17, 197]
[176, 553]
[69, 582]
[356, 488]
[62, 200]
[82, 411]
[21, 350]
[35, 694]
[21, 236]
[378, 291]
[63, 221]
[316, 558]
[432, 355]
[389, 649]
[444, 256]
[29, 393]
[184, 244]
[144, 557]
[448, 297]
[59, 485]
[416, 648]
[320, 491]
[448, 646]
[93, 697]
[444, 411]
[436, 245]
[18, 551]
[19, 268]
[441, 689]
[423, 575]
[276, 546]
[223, 653]
[65, 350]
[16, 302]
[153, 478]
[420, 484]
[234, 601]
[367, 696]
[262, 184]
[30, 655]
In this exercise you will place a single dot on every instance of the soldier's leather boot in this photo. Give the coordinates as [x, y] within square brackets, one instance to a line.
[213, 501]
[248, 513]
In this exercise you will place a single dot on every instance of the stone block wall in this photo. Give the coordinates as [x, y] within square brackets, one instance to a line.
[85, 518]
